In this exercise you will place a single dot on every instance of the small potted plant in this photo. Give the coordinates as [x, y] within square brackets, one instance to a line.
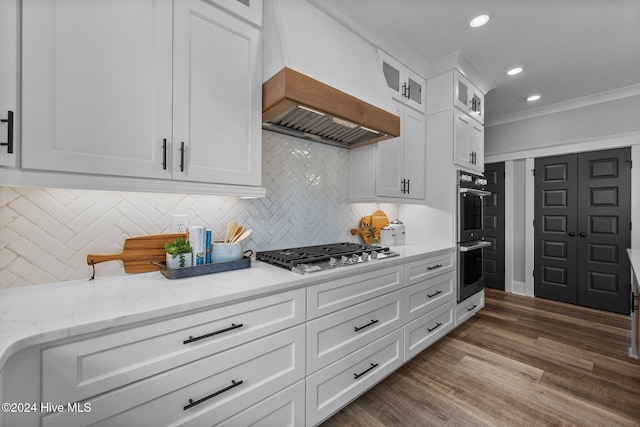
[178, 253]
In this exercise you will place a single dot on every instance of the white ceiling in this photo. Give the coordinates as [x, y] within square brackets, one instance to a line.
[569, 48]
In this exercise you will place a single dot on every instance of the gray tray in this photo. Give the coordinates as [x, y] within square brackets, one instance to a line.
[199, 270]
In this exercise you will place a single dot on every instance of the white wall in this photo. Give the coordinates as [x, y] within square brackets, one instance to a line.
[609, 124]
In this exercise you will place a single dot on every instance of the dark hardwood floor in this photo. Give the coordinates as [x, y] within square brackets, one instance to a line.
[520, 361]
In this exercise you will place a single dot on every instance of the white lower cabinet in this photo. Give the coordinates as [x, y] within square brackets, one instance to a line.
[201, 393]
[333, 387]
[426, 330]
[287, 359]
[85, 368]
[469, 307]
[339, 334]
[283, 409]
[424, 296]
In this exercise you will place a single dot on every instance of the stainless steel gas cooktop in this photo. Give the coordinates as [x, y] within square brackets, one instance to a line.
[310, 259]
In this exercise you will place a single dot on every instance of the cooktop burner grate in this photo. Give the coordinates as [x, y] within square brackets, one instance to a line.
[317, 255]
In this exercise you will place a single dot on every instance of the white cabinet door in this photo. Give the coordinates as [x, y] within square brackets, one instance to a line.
[414, 153]
[468, 142]
[400, 162]
[96, 86]
[217, 96]
[403, 84]
[467, 97]
[9, 82]
[389, 160]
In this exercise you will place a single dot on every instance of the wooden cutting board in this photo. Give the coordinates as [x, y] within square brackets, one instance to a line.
[138, 252]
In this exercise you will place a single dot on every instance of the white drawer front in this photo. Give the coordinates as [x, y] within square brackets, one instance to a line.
[336, 335]
[82, 369]
[259, 369]
[338, 294]
[418, 271]
[283, 409]
[426, 330]
[428, 294]
[469, 307]
[331, 388]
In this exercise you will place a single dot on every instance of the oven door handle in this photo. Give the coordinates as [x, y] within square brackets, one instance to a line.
[475, 192]
[478, 245]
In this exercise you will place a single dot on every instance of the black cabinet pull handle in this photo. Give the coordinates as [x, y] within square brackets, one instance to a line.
[164, 154]
[435, 327]
[434, 267]
[583, 234]
[373, 322]
[356, 376]
[9, 122]
[182, 156]
[193, 403]
[572, 233]
[471, 308]
[402, 186]
[232, 327]
[404, 90]
[433, 295]
[408, 91]
[408, 186]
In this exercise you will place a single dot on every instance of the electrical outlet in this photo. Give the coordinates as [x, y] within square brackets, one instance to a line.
[179, 223]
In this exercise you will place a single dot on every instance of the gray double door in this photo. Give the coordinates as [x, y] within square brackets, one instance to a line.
[582, 223]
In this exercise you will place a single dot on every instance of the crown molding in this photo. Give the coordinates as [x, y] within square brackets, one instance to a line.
[584, 101]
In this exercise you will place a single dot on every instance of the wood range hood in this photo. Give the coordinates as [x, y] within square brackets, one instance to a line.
[298, 105]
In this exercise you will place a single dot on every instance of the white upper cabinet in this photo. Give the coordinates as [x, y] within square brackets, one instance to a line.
[394, 168]
[145, 89]
[96, 86]
[467, 97]
[217, 96]
[468, 137]
[9, 112]
[404, 85]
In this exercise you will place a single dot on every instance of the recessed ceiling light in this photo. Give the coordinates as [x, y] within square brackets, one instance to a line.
[479, 21]
[514, 71]
[534, 98]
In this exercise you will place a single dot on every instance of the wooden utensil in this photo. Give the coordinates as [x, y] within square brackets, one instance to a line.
[139, 252]
[232, 226]
[243, 235]
[238, 232]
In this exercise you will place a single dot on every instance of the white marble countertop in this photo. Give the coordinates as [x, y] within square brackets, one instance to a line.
[40, 314]
[634, 256]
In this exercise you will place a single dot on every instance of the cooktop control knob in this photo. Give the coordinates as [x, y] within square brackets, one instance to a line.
[365, 256]
[374, 255]
[355, 258]
[333, 261]
[344, 259]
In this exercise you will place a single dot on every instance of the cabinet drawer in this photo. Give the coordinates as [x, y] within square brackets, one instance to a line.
[418, 271]
[469, 307]
[336, 335]
[426, 330]
[81, 369]
[338, 294]
[215, 387]
[332, 388]
[283, 409]
[428, 294]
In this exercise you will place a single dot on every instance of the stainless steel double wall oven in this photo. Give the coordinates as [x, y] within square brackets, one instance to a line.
[471, 241]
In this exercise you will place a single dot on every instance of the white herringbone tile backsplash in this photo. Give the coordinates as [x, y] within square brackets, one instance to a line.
[46, 234]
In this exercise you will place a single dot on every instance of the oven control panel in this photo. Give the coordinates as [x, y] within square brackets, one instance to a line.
[468, 180]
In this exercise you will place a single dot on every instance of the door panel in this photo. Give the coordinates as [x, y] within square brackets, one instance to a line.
[555, 248]
[494, 226]
[604, 229]
[582, 228]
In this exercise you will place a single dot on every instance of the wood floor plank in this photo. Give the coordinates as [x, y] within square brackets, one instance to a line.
[520, 361]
